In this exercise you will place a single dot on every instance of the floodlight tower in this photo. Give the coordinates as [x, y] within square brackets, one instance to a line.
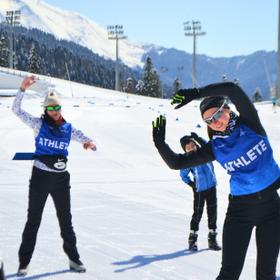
[12, 19]
[115, 32]
[193, 29]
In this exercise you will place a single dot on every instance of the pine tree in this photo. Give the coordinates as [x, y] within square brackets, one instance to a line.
[33, 61]
[4, 52]
[152, 86]
[176, 85]
[139, 87]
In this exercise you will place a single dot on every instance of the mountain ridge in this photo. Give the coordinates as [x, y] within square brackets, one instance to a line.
[248, 69]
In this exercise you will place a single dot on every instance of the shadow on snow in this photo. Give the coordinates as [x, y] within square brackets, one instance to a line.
[39, 276]
[142, 260]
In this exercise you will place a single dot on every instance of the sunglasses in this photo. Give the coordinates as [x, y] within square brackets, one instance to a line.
[53, 108]
[216, 115]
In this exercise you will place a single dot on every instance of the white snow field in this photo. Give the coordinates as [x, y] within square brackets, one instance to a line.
[131, 213]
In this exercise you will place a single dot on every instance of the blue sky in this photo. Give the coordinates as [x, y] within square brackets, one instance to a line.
[233, 27]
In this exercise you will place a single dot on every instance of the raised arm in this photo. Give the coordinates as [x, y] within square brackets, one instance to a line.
[238, 97]
[187, 160]
[28, 119]
[179, 161]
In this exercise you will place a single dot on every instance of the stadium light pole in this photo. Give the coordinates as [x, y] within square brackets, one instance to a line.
[12, 19]
[179, 69]
[115, 32]
[163, 69]
[278, 56]
[193, 29]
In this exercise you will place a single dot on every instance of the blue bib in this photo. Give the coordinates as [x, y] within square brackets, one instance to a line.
[248, 159]
[53, 141]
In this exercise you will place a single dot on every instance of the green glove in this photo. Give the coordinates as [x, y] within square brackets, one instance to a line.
[183, 97]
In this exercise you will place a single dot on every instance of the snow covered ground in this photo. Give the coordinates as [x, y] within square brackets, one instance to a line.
[131, 213]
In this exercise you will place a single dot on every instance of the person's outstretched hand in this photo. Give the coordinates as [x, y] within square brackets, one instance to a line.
[159, 130]
[183, 97]
[89, 145]
[27, 82]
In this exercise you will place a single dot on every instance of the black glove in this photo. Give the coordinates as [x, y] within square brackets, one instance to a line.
[183, 97]
[198, 139]
[194, 135]
[159, 130]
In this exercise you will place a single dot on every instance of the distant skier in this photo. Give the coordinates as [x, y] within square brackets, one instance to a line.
[274, 104]
[204, 190]
[49, 175]
[240, 144]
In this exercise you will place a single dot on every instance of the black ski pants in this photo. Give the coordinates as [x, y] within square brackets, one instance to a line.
[43, 183]
[209, 196]
[260, 210]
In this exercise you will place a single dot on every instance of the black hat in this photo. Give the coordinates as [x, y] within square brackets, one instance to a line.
[210, 102]
[186, 140]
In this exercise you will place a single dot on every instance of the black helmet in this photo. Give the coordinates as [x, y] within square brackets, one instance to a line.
[210, 102]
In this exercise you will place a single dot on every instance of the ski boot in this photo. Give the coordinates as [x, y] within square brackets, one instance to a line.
[77, 266]
[212, 242]
[22, 270]
[193, 242]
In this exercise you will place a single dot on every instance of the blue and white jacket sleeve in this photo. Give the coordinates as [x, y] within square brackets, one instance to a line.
[79, 136]
[184, 173]
[28, 119]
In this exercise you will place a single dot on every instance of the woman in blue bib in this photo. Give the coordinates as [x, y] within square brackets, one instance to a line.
[240, 144]
[49, 175]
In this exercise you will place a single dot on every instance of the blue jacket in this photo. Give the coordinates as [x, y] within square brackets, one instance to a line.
[204, 176]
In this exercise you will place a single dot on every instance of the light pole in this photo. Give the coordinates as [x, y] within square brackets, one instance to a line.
[163, 69]
[12, 19]
[193, 29]
[179, 69]
[115, 32]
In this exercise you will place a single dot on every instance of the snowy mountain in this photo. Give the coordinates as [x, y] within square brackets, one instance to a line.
[79, 29]
[255, 70]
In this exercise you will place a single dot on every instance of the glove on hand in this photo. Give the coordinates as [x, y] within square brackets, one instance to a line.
[183, 97]
[194, 135]
[159, 130]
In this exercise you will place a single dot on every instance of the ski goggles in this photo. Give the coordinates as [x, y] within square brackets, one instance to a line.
[53, 108]
[216, 115]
